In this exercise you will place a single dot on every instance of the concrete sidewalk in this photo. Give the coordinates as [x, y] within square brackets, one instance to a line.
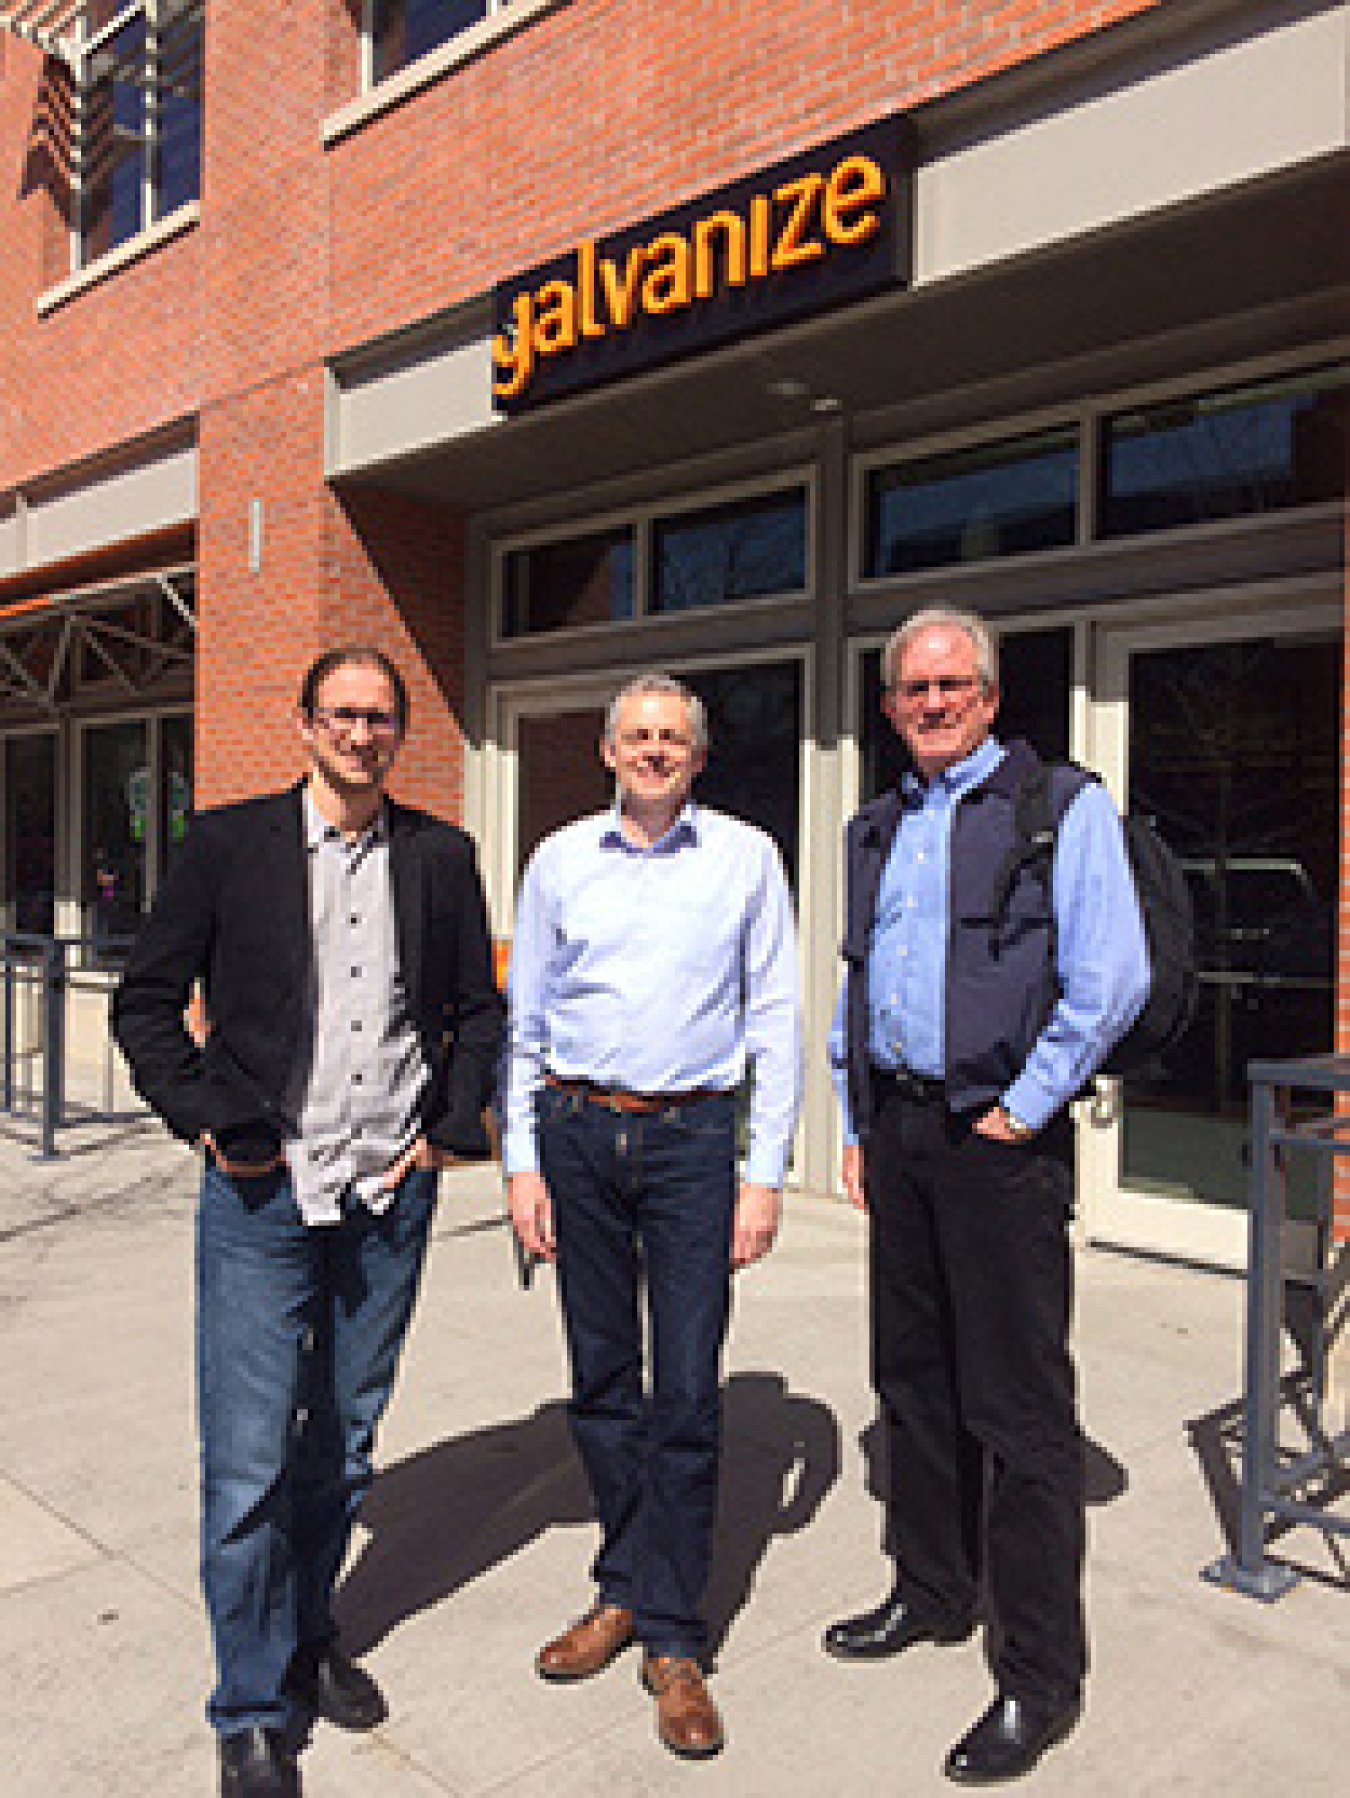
[477, 1543]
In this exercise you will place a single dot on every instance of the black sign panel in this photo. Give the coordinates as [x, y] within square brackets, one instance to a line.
[830, 225]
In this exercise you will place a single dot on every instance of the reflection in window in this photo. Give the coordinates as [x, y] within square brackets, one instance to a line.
[175, 788]
[749, 549]
[1002, 499]
[140, 133]
[29, 897]
[403, 30]
[1226, 455]
[755, 729]
[116, 822]
[581, 580]
[1035, 684]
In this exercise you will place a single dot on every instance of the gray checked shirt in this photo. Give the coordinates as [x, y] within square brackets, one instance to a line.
[355, 1093]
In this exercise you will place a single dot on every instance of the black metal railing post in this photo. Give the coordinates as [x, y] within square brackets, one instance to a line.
[53, 1042]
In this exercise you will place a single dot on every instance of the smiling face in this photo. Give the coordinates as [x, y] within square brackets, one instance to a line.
[353, 734]
[937, 702]
[652, 755]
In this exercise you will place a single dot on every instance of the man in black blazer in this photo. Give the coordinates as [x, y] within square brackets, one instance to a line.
[351, 1032]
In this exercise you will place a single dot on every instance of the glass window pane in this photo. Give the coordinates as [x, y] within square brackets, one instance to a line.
[30, 833]
[583, 580]
[175, 789]
[749, 549]
[178, 172]
[116, 803]
[112, 146]
[1035, 685]
[1235, 751]
[754, 750]
[407, 29]
[1001, 500]
[1226, 455]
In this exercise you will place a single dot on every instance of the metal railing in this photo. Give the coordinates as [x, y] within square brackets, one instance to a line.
[58, 1062]
[1281, 1485]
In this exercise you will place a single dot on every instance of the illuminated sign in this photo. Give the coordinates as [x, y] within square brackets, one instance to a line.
[824, 227]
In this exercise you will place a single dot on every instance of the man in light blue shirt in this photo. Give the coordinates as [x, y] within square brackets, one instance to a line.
[653, 965]
[961, 1037]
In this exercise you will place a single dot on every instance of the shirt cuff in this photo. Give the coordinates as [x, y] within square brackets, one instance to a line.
[1029, 1103]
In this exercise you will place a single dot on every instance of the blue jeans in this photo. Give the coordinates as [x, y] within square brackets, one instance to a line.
[652, 1196]
[298, 1335]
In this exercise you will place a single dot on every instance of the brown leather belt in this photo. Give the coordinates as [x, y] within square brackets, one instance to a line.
[615, 1098]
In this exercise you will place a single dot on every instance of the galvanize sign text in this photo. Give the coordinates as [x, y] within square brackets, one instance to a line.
[825, 227]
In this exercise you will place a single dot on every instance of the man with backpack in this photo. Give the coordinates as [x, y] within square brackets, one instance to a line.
[968, 1019]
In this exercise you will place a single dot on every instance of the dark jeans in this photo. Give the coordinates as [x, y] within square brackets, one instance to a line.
[298, 1335]
[971, 1294]
[654, 1196]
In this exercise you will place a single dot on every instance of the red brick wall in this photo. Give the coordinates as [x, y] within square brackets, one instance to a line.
[602, 112]
[611, 110]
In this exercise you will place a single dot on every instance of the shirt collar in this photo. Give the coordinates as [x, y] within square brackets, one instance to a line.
[685, 829]
[960, 777]
[319, 831]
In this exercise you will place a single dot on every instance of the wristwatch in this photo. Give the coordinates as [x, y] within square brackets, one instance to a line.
[1016, 1128]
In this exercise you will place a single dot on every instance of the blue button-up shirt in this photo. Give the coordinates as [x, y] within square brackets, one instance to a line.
[1101, 950]
[666, 968]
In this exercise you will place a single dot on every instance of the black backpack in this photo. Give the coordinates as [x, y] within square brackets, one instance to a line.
[1164, 900]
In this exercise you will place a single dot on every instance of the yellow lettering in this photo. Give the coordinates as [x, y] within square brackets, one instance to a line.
[855, 183]
[759, 237]
[792, 247]
[620, 299]
[591, 326]
[513, 350]
[705, 230]
[666, 288]
[555, 318]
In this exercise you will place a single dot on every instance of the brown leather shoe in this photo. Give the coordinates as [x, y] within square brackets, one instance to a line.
[590, 1644]
[686, 1717]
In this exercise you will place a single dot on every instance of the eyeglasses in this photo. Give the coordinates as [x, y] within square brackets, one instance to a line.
[948, 686]
[342, 720]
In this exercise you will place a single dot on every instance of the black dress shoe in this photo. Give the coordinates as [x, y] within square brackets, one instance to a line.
[889, 1628]
[255, 1763]
[1008, 1740]
[332, 1687]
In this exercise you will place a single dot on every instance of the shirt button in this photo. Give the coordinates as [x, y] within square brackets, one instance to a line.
[356, 917]
[356, 973]
[357, 1079]
[356, 1023]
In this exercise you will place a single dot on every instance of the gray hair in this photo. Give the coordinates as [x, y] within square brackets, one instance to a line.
[945, 618]
[657, 682]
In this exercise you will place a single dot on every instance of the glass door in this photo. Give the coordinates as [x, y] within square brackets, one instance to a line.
[1227, 734]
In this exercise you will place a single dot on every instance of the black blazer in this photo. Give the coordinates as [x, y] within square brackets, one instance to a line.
[234, 912]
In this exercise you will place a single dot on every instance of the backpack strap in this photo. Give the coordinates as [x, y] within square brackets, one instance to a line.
[1034, 826]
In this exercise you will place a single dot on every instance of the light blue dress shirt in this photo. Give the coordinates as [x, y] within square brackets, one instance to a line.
[661, 969]
[1101, 950]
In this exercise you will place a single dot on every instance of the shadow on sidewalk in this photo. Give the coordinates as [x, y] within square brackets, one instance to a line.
[449, 1514]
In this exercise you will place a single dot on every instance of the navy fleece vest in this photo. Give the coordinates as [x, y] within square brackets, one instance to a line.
[1000, 982]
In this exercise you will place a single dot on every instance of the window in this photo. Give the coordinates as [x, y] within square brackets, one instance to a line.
[580, 580]
[750, 549]
[403, 30]
[1226, 455]
[28, 901]
[116, 819]
[1001, 499]
[139, 80]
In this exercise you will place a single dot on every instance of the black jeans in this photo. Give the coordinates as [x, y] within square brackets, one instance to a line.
[971, 1295]
[649, 1195]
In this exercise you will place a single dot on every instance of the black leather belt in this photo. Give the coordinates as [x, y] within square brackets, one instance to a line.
[919, 1089]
